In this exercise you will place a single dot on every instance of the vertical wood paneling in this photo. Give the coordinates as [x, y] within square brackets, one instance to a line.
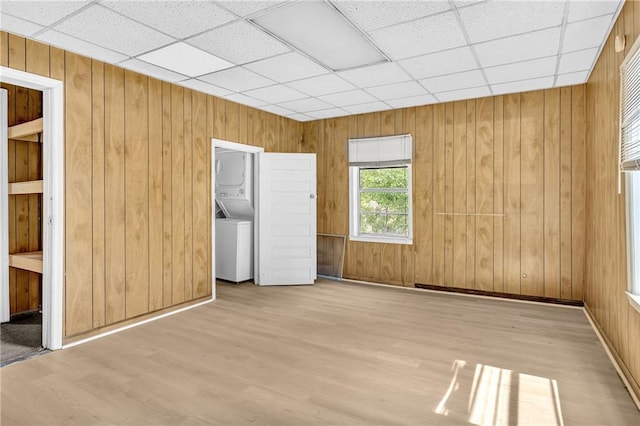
[114, 194]
[408, 271]
[136, 165]
[498, 195]
[471, 221]
[439, 193]
[532, 193]
[199, 182]
[598, 222]
[4, 49]
[487, 193]
[167, 205]
[512, 254]
[97, 191]
[155, 195]
[578, 208]
[423, 179]
[188, 196]
[565, 192]
[78, 218]
[37, 58]
[459, 195]
[484, 162]
[551, 181]
[177, 191]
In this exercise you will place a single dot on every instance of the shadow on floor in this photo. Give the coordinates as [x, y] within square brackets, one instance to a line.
[21, 338]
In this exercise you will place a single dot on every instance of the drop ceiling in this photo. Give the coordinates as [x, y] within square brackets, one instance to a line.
[436, 51]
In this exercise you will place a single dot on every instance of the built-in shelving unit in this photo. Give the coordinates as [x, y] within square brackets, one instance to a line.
[30, 131]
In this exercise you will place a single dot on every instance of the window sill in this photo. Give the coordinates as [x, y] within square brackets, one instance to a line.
[381, 239]
[634, 300]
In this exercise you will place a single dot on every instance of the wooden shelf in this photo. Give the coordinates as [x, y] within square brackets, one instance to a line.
[26, 131]
[29, 187]
[31, 261]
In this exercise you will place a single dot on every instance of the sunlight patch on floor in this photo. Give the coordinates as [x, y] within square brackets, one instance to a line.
[493, 396]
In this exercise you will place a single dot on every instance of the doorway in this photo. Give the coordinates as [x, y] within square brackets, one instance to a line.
[283, 214]
[52, 206]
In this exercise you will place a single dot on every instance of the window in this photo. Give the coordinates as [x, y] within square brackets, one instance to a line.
[633, 237]
[629, 163]
[380, 205]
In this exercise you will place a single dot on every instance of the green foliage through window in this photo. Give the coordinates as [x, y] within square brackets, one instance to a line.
[384, 201]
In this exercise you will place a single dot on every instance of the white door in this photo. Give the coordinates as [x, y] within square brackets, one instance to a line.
[286, 215]
[4, 209]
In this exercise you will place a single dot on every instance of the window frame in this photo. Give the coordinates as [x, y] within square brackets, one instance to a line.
[354, 205]
[633, 238]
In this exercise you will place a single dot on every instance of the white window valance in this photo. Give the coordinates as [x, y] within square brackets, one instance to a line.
[380, 151]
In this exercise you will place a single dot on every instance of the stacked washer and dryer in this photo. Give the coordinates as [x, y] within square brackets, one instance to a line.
[234, 215]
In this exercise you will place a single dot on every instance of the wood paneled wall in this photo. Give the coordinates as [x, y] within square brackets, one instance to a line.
[519, 156]
[137, 184]
[25, 231]
[606, 251]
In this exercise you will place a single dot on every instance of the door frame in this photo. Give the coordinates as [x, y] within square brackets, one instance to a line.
[221, 143]
[53, 203]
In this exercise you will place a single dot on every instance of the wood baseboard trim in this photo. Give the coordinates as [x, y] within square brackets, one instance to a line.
[629, 382]
[520, 297]
[416, 287]
[133, 322]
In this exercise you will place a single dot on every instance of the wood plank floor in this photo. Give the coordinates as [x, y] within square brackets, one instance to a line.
[334, 353]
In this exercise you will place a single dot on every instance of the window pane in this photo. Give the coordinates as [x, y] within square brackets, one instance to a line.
[384, 224]
[384, 202]
[384, 213]
[389, 177]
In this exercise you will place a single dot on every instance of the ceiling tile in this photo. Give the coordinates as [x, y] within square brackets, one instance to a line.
[300, 117]
[42, 12]
[456, 95]
[585, 34]
[351, 97]
[442, 63]
[398, 90]
[152, 70]
[245, 100]
[491, 20]
[72, 44]
[426, 35]
[18, 26]
[239, 42]
[577, 61]
[328, 113]
[522, 86]
[375, 75]
[519, 48]
[581, 9]
[521, 70]
[412, 101]
[275, 94]
[177, 18]
[571, 79]
[201, 86]
[463, 80]
[275, 109]
[287, 67]
[237, 79]
[185, 59]
[305, 105]
[371, 15]
[245, 8]
[106, 28]
[370, 107]
[321, 85]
